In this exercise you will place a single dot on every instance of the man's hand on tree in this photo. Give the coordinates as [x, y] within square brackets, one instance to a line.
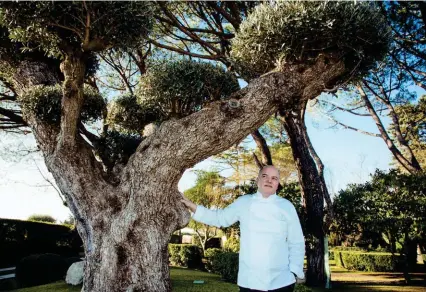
[190, 205]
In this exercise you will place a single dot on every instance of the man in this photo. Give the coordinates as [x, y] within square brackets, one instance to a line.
[272, 246]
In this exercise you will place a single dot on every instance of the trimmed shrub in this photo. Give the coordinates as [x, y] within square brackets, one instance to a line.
[343, 248]
[42, 218]
[348, 248]
[225, 264]
[39, 269]
[185, 255]
[371, 262]
[209, 255]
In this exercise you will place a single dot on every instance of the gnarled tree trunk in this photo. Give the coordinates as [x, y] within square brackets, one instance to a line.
[126, 223]
[314, 191]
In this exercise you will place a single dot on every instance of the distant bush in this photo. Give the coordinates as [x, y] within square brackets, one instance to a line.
[367, 261]
[42, 218]
[225, 264]
[348, 248]
[40, 269]
[209, 255]
[343, 248]
[232, 244]
[185, 255]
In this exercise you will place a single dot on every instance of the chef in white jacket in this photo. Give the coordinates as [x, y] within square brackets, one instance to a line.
[272, 246]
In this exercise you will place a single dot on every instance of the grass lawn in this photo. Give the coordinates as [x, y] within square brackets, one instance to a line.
[343, 281]
[182, 281]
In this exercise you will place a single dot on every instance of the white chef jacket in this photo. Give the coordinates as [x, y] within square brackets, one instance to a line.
[272, 246]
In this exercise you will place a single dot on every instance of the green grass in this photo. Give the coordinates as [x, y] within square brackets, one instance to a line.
[57, 287]
[182, 281]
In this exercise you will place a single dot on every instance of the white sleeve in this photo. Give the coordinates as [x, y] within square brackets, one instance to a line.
[296, 244]
[220, 217]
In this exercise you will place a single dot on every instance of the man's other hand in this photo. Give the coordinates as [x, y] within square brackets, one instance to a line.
[190, 205]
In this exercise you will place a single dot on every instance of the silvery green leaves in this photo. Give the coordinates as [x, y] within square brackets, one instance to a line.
[55, 27]
[45, 103]
[299, 31]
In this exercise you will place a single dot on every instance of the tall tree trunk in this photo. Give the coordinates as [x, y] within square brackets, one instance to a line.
[126, 223]
[312, 193]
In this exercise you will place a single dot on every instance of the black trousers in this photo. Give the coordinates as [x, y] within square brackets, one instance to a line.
[289, 288]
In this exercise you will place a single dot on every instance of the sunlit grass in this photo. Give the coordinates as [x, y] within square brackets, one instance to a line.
[183, 281]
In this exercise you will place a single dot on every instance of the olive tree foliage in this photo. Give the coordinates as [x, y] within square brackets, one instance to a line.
[62, 30]
[45, 102]
[266, 39]
[200, 29]
[173, 89]
[86, 25]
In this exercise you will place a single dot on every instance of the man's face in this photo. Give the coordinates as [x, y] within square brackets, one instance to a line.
[268, 180]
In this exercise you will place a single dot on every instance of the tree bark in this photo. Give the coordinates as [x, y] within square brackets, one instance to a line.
[313, 194]
[126, 225]
[263, 147]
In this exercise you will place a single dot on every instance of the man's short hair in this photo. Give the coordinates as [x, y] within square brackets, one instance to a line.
[268, 166]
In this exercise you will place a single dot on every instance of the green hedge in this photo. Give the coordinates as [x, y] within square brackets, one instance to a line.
[39, 269]
[209, 255]
[347, 248]
[185, 255]
[223, 263]
[342, 248]
[367, 261]
[19, 238]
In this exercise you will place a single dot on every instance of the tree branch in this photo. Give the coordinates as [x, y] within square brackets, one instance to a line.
[222, 124]
[346, 109]
[235, 22]
[352, 128]
[183, 52]
[384, 135]
[263, 147]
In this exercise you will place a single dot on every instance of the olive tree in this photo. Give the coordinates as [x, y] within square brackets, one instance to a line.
[121, 186]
